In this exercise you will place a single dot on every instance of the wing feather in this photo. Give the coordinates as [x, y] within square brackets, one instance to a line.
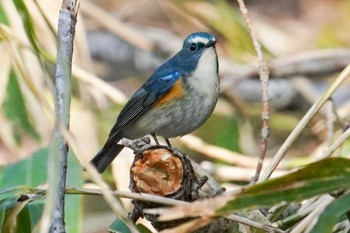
[155, 88]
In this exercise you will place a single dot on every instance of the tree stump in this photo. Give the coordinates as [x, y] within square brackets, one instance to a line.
[166, 172]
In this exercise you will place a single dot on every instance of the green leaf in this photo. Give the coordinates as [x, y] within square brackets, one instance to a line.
[73, 203]
[28, 173]
[13, 191]
[24, 222]
[36, 210]
[317, 178]
[27, 23]
[15, 109]
[5, 205]
[12, 216]
[142, 228]
[33, 171]
[3, 18]
[314, 179]
[332, 214]
[119, 226]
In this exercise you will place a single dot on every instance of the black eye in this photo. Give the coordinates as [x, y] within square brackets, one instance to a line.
[193, 47]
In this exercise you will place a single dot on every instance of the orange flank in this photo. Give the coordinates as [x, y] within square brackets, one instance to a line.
[175, 92]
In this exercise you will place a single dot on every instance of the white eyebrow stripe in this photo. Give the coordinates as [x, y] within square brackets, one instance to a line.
[199, 39]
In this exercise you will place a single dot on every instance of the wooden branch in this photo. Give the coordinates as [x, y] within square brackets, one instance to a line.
[66, 30]
[264, 79]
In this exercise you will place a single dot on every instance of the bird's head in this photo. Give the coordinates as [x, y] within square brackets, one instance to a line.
[198, 41]
[197, 53]
[198, 46]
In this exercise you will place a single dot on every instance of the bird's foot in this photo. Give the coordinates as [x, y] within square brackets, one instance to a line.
[137, 144]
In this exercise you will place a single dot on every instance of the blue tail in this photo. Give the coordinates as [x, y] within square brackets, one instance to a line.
[105, 156]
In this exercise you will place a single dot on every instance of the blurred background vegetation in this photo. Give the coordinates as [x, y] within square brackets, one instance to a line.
[119, 43]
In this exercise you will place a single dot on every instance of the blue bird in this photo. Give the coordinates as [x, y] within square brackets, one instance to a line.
[176, 99]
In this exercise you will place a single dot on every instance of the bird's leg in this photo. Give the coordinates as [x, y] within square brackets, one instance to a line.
[155, 138]
[167, 142]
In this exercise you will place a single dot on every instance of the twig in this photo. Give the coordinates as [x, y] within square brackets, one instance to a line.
[336, 144]
[264, 79]
[197, 223]
[225, 155]
[302, 212]
[135, 196]
[312, 217]
[226, 173]
[216, 152]
[143, 197]
[214, 187]
[331, 118]
[39, 192]
[303, 122]
[248, 222]
[276, 211]
[66, 29]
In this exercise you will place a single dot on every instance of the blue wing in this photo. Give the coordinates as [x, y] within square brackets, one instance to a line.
[151, 91]
[156, 86]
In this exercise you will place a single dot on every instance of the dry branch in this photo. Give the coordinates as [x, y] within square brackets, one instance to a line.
[66, 30]
[264, 79]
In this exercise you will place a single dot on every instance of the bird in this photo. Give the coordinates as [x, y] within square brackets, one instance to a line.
[176, 99]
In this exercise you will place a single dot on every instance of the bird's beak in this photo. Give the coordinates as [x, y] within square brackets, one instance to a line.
[210, 43]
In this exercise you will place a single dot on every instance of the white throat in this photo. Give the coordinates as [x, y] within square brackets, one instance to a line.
[205, 78]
